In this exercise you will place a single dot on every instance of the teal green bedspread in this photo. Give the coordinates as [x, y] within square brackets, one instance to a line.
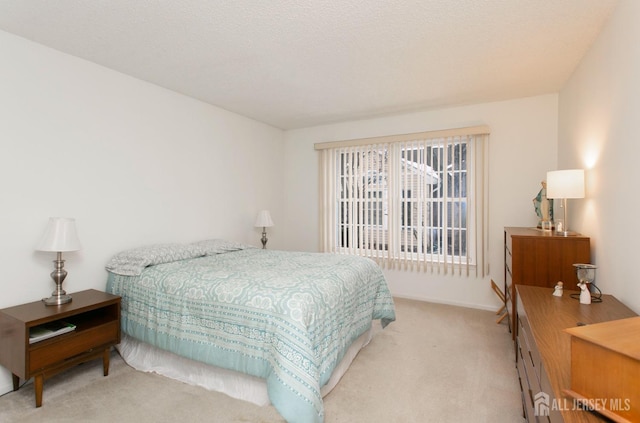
[287, 317]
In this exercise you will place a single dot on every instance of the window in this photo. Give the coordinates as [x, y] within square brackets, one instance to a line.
[417, 199]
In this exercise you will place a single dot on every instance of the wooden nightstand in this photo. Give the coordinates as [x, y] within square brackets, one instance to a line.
[96, 316]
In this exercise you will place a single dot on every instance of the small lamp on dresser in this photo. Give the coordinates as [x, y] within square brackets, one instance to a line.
[60, 236]
[263, 220]
[563, 184]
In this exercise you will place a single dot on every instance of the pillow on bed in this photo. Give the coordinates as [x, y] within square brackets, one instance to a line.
[211, 247]
[132, 262]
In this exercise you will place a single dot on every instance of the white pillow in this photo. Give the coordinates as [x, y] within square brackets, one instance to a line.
[132, 262]
[211, 247]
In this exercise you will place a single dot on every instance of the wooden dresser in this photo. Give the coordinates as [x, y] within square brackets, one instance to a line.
[543, 350]
[540, 258]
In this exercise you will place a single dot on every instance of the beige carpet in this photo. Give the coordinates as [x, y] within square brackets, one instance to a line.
[436, 363]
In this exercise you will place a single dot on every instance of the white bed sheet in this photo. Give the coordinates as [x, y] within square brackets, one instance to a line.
[147, 358]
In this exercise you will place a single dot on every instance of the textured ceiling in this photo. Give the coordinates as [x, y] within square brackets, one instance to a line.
[297, 63]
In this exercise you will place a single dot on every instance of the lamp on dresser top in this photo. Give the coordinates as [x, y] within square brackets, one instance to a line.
[564, 184]
[263, 220]
[60, 236]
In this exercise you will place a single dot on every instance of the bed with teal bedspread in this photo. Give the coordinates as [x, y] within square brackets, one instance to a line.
[287, 317]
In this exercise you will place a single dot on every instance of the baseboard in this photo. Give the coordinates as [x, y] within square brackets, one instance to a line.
[452, 303]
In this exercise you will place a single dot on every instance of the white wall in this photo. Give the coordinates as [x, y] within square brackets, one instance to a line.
[523, 147]
[599, 127]
[132, 162]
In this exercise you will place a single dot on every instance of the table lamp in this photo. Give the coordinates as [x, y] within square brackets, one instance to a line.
[264, 221]
[60, 236]
[563, 184]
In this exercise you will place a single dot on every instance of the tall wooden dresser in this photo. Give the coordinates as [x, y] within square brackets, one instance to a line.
[539, 258]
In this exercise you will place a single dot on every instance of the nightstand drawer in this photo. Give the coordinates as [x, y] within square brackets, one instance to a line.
[69, 346]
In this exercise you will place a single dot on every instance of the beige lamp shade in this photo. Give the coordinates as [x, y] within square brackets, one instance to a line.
[263, 220]
[60, 235]
[565, 183]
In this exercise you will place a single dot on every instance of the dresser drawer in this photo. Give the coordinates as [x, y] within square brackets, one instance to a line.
[57, 350]
[545, 386]
[524, 332]
[525, 381]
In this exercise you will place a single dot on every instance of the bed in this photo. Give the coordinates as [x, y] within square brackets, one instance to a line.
[292, 321]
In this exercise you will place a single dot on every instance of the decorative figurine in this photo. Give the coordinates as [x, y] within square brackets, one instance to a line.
[585, 295]
[586, 274]
[544, 208]
[558, 290]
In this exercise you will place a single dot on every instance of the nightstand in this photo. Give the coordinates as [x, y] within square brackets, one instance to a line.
[96, 316]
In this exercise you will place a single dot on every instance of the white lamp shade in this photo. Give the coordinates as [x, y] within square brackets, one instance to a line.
[60, 235]
[264, 219]
[565, 183]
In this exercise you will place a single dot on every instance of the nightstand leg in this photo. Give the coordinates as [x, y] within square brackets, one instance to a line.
[105, 361]
[37, 384]
[16, 382]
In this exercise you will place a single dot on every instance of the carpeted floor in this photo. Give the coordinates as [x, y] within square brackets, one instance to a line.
[436, 363]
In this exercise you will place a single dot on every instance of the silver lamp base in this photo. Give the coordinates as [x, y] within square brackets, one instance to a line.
[59, 296]
[54, 299]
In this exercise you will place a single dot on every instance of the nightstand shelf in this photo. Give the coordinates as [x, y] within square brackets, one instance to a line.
[96, 316]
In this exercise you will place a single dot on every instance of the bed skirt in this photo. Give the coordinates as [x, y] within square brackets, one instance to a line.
[147, 358]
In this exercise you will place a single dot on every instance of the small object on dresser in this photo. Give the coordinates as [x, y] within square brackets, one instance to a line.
[586, 274]
[585, 295]
[544, 208]
[558, 289]
[49, 330]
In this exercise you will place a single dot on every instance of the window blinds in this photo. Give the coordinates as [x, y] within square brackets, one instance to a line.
[414, 201]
